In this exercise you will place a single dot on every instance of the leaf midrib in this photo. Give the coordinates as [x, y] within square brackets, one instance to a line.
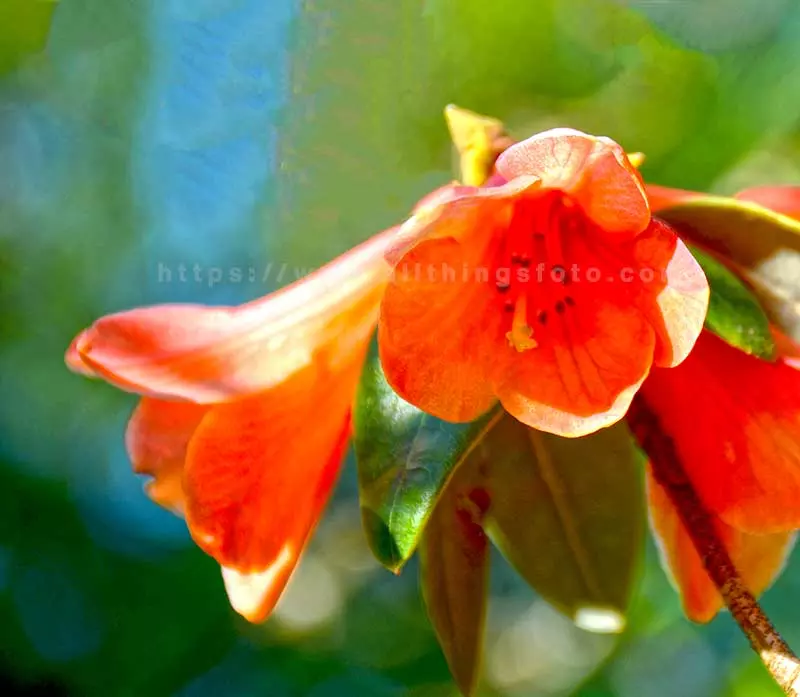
[552, 482]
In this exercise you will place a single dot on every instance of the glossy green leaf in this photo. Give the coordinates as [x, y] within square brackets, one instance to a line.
[569, 516]
[24, 26]
[763, 244]
[405, 457]
[454, 573]
[734, 313]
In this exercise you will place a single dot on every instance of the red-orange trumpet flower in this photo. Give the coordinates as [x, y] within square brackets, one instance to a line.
[245, 413]
[552, 290]
[734, 421]
[737, 442]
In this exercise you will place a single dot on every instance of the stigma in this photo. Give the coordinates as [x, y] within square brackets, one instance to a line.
[521, 335]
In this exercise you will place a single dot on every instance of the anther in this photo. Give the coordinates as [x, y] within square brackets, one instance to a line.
[560, 307]
[570, 301]
[542, 317]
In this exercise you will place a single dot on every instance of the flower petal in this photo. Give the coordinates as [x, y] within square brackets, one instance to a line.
[759, 559]
[435, 214]
[254, 595]
[439, 321]
[594, 171]
[593, 344]
[74, 360]
[157, 437]
[259, 472]
[578, 383]
[211, 354]
[734, 420]
[781, 199]
[676, 298]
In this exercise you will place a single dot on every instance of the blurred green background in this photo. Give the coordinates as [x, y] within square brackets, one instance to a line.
[146, 134]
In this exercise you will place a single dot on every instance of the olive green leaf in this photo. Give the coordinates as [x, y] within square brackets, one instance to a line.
[454, 568]
[762, 244]
[569, 516]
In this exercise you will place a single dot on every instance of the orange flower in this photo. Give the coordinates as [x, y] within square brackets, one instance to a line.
[245, 412]
[735, 421]
[554, 291]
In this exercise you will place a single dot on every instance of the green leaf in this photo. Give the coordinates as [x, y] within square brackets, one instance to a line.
[567, 513]
[454, 573]
[404, 460]
[763, 244]
[734, 313]
[569, 516]
[24, 26]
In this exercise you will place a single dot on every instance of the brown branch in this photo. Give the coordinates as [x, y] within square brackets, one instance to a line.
[779, 659]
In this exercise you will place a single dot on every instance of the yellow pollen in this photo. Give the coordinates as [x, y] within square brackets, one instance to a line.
[521, 335]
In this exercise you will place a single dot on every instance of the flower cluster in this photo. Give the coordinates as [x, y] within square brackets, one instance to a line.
[245, 412]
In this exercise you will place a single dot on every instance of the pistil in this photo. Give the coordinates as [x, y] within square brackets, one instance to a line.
[521, 335]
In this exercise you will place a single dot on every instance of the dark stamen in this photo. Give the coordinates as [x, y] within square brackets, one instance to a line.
[508, 306]
[560, 307]
[542, 317]
[569, 300]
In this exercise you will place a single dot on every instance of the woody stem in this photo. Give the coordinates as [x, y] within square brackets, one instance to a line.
[779, 659]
